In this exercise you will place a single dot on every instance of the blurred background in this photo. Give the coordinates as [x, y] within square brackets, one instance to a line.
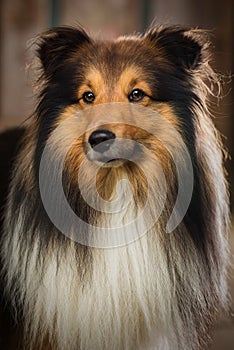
[23, 19]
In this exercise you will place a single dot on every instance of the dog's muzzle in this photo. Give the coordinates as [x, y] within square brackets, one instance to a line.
[106, 147]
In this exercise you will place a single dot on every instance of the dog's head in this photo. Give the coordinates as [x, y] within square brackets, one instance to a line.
[156, 70]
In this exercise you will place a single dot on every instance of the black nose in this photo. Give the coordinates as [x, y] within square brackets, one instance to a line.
[101, 139]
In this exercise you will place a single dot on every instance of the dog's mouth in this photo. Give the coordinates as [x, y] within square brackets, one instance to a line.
[107, 162]
[115, 156]
[106, 150]
[114, 160]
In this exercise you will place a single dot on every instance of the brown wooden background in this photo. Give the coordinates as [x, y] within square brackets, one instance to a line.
[23, 19]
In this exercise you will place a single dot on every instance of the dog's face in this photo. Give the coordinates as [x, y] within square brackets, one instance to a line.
[154, 71]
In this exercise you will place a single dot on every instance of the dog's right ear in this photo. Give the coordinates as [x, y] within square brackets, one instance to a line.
[55, 45]
[183, 47]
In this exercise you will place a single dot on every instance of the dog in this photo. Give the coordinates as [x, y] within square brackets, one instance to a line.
[117, 211]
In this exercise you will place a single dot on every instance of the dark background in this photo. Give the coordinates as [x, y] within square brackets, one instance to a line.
[23, 19]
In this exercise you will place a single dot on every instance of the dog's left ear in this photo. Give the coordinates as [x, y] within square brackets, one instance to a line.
[182, 47]
[55, 45]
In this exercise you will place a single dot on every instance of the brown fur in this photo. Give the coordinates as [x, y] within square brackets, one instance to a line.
[161, 290]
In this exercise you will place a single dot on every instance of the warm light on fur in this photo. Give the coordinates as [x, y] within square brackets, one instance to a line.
[162, 291]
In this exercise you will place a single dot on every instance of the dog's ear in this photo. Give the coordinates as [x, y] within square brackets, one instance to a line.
[56, 44]
[181, 46]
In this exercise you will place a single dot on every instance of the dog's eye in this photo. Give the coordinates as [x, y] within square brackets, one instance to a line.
[88, 97]
[136, 95]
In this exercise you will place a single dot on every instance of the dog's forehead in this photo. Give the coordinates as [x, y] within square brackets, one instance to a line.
[112, 58]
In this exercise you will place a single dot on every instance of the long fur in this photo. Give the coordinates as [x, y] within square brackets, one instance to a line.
[162, 291]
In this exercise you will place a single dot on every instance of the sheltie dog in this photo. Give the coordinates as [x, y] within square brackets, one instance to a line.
[114, 232]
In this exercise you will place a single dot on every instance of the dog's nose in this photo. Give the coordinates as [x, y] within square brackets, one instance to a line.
[101, 139]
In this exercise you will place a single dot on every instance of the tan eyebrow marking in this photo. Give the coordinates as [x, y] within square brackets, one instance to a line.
[94, 82]
[132, 77]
